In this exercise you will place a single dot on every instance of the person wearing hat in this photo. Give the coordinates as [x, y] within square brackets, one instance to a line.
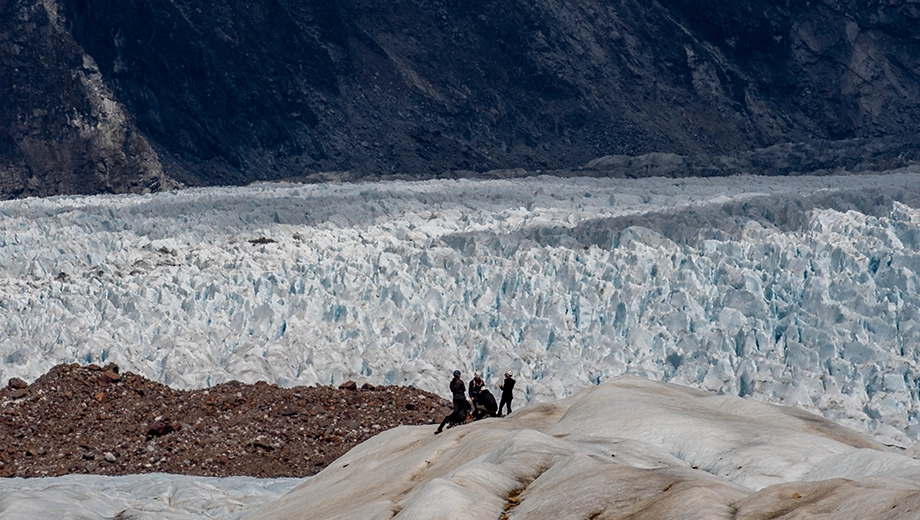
[461, 405]
[506, 387]
[476, 385]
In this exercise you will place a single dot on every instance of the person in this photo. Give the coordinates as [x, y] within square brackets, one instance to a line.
[476, 386]
[486, 405]
[506, 387]
[461, 406]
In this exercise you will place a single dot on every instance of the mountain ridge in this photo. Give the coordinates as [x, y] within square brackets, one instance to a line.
[148, 95]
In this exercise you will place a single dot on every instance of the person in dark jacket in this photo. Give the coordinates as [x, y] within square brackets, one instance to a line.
[506, 387]
[476, 386]
[461, 406]
[485, 405]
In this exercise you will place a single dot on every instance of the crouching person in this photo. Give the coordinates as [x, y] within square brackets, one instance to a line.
[485, 405]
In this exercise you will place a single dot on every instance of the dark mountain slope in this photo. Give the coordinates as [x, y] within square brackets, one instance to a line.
[851, 69]
[243, 91]
[61, 127]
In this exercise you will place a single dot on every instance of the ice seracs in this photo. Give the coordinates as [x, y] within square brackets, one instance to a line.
[629, 447]
[802, 291]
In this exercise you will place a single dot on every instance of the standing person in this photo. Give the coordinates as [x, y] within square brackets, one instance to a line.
[461, 405]
[506, 387]
[475, 387]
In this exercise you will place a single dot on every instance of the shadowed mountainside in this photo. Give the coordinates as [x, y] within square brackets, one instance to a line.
[104, 96]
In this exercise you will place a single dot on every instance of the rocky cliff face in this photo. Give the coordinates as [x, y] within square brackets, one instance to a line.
[105, 95]
[840, 69]
[62, 128]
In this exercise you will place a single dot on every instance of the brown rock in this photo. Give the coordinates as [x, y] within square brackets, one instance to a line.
[16, 384]
[287, 411]
[264, 443]
[348, 385]
[109, 377]
[163, 428]
[191, 432]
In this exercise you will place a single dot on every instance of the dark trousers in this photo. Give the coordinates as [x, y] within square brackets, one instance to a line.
[459, 413]
[505, 401]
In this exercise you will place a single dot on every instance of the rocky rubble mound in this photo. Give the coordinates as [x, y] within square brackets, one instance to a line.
[92, 419]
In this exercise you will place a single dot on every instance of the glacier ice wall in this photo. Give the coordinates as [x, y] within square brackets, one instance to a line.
[801, 291]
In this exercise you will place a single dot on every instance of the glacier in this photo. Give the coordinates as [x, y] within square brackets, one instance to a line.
[800, 291]
[627, 448]
[153, 496]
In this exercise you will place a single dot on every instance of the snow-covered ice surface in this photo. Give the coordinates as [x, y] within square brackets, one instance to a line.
[628, 448]
[802, 291]
[137, 497]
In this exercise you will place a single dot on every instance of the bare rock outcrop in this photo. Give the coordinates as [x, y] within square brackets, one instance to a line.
[62, 128]
[126, 96]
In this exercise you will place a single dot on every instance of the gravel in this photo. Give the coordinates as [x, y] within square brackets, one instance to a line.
[94, 420]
